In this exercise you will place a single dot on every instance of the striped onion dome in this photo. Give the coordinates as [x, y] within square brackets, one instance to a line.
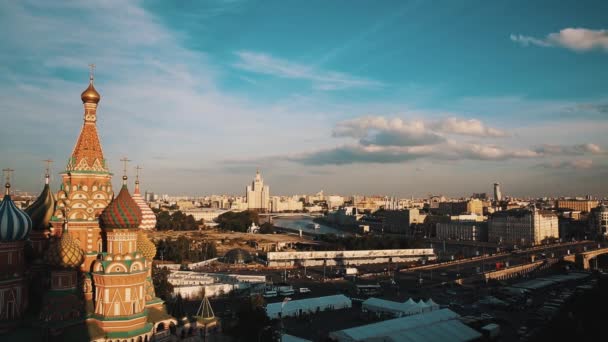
[145, 246]
[42, 209]
[64, 252]
[148, 219]
[14, 223]
[122, 212]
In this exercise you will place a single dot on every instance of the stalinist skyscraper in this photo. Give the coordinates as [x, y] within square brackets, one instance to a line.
[258, 194]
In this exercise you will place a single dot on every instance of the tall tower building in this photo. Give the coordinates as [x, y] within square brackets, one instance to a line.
[258, 194]
[86, 187]
[497, 193]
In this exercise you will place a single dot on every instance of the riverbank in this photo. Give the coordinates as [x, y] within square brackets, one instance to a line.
[344, 229]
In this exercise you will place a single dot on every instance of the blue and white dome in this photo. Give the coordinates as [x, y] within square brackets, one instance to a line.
[15, 224]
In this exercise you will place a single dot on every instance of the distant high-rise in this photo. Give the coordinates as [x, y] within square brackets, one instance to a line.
[258, 194]
[497, 193]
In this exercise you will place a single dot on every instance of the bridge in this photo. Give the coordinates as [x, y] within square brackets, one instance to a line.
[275, 215]
[335, 258]
[582, 260]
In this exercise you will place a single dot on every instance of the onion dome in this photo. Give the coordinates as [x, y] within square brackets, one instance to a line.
[145, 246]
[90, 95]
[64, 252]
[148, 218]
[42, 209]
[15, 224]
[122, 212]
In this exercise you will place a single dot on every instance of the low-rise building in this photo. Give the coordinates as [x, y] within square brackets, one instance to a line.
[473, 206]
[400, 221]
[205, 214]
[580, 205]
[598, 221]
[522, 226]
[462, 230]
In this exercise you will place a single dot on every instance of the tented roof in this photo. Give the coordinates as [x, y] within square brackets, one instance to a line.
[291, 338]
[308, 304]
[408, 307]
[452, 330]
[391, 326]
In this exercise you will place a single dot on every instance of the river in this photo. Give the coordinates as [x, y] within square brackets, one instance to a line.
[305, 223]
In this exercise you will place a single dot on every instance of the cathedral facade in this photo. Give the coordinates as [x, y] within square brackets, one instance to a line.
[79, 262]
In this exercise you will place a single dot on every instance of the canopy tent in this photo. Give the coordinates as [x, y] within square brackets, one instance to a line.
[396, 309]
[382, 331]
[308, 305]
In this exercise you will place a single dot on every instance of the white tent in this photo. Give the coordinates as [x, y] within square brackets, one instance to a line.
[308, 305]
[396, 309]
[432, 304]
[438, 325]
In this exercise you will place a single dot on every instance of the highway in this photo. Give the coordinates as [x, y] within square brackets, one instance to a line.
[449, 271]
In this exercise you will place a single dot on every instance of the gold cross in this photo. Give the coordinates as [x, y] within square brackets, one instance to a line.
[137, 168]
[125, 160]
[91, 71]
[48, 166]
[7, 174]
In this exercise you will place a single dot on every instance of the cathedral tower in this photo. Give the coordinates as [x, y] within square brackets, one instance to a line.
[86, 187]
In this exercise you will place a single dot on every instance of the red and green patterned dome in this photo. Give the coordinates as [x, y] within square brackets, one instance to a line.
[122, 212]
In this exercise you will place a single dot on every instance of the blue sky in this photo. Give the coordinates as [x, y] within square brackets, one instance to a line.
[370, 97]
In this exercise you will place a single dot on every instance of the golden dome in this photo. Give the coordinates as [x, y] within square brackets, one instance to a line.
[145, 246]
[64, 252]
[90, 95]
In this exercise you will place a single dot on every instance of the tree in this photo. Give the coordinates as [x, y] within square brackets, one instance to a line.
[176, 221]
[252, 318]
[237, 221]
[160, 278]
[208, 250]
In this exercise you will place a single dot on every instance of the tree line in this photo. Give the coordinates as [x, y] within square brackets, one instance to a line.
[183, 249]
[176, 221]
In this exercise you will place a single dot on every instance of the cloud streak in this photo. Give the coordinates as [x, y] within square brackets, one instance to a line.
[576, 39]
[577, 164]
[580, 149]
[266, 64]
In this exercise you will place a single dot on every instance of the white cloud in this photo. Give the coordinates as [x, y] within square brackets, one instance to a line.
[379, 130]
[321, 79]
[472, 127]
[577, 39]
[577, 164]
[548, 149]
[352, 154]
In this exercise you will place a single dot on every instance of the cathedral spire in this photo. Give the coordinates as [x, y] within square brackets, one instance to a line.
[87, 154]
[137, 168]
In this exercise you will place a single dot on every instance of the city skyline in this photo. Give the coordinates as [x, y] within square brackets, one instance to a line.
[388, 100]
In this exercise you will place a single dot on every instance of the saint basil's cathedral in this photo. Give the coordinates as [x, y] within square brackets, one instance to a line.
[77, 265]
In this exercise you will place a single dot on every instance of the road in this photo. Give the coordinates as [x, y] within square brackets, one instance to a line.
[445, 272]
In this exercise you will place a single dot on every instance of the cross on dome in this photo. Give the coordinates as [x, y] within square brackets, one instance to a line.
[125, 161]
[7, 175]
